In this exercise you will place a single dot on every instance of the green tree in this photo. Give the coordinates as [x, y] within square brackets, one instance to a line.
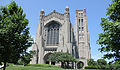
[109, 40]
[64, 58]
[14, 33]
[25, 59]
[91, 62]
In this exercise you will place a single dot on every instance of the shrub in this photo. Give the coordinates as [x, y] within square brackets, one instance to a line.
[101, 66]
[101, 63]
[115, 66]
[91, 67]
[91, 62]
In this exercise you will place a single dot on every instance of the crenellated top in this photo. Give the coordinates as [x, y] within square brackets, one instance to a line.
[54, 14]
[80, 11]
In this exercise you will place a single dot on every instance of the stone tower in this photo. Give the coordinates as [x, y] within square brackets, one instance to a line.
[82, 34]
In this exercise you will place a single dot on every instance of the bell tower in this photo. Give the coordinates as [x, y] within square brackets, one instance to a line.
[82, 34]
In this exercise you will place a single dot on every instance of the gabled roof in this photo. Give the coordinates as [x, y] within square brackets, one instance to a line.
[54, 12]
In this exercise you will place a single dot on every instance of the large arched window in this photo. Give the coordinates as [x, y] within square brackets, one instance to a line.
[53, 33]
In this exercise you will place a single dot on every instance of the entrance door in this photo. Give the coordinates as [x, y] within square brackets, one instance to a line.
[47, 62]
[52, 63]
[46, 59]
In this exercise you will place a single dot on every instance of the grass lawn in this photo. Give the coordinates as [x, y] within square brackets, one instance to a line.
[39, 67]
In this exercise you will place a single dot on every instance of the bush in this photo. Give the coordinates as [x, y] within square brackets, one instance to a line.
[20, 62]
[91, 67]
[101, 66]
[115, 66]
[101, 63]
[91, 62]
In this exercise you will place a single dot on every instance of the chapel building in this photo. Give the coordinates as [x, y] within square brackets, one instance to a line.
[55, 34]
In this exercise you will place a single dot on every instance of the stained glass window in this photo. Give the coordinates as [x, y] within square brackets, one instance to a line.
[53, 34]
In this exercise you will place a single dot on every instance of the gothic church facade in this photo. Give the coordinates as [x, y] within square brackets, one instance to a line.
[55, 34]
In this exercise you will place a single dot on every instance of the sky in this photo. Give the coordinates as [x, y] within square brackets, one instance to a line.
[96, 9]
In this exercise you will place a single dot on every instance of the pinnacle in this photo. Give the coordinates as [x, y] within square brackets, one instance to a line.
[42, 10]
[66, 6]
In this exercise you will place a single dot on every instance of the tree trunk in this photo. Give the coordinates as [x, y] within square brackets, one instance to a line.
[62, 64]
[67, 64]
[4, 66]
[75, 66]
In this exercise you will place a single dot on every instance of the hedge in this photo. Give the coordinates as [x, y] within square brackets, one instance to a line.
[91, 67]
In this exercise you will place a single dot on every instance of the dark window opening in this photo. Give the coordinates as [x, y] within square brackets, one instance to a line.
[82, 28]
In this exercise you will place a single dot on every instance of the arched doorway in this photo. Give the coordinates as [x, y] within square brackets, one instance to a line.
[46, 59]
[80, 65]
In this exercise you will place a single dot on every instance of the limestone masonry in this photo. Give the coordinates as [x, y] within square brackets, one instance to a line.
[55, 34]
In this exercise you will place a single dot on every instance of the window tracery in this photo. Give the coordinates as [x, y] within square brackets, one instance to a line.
[53, 34]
